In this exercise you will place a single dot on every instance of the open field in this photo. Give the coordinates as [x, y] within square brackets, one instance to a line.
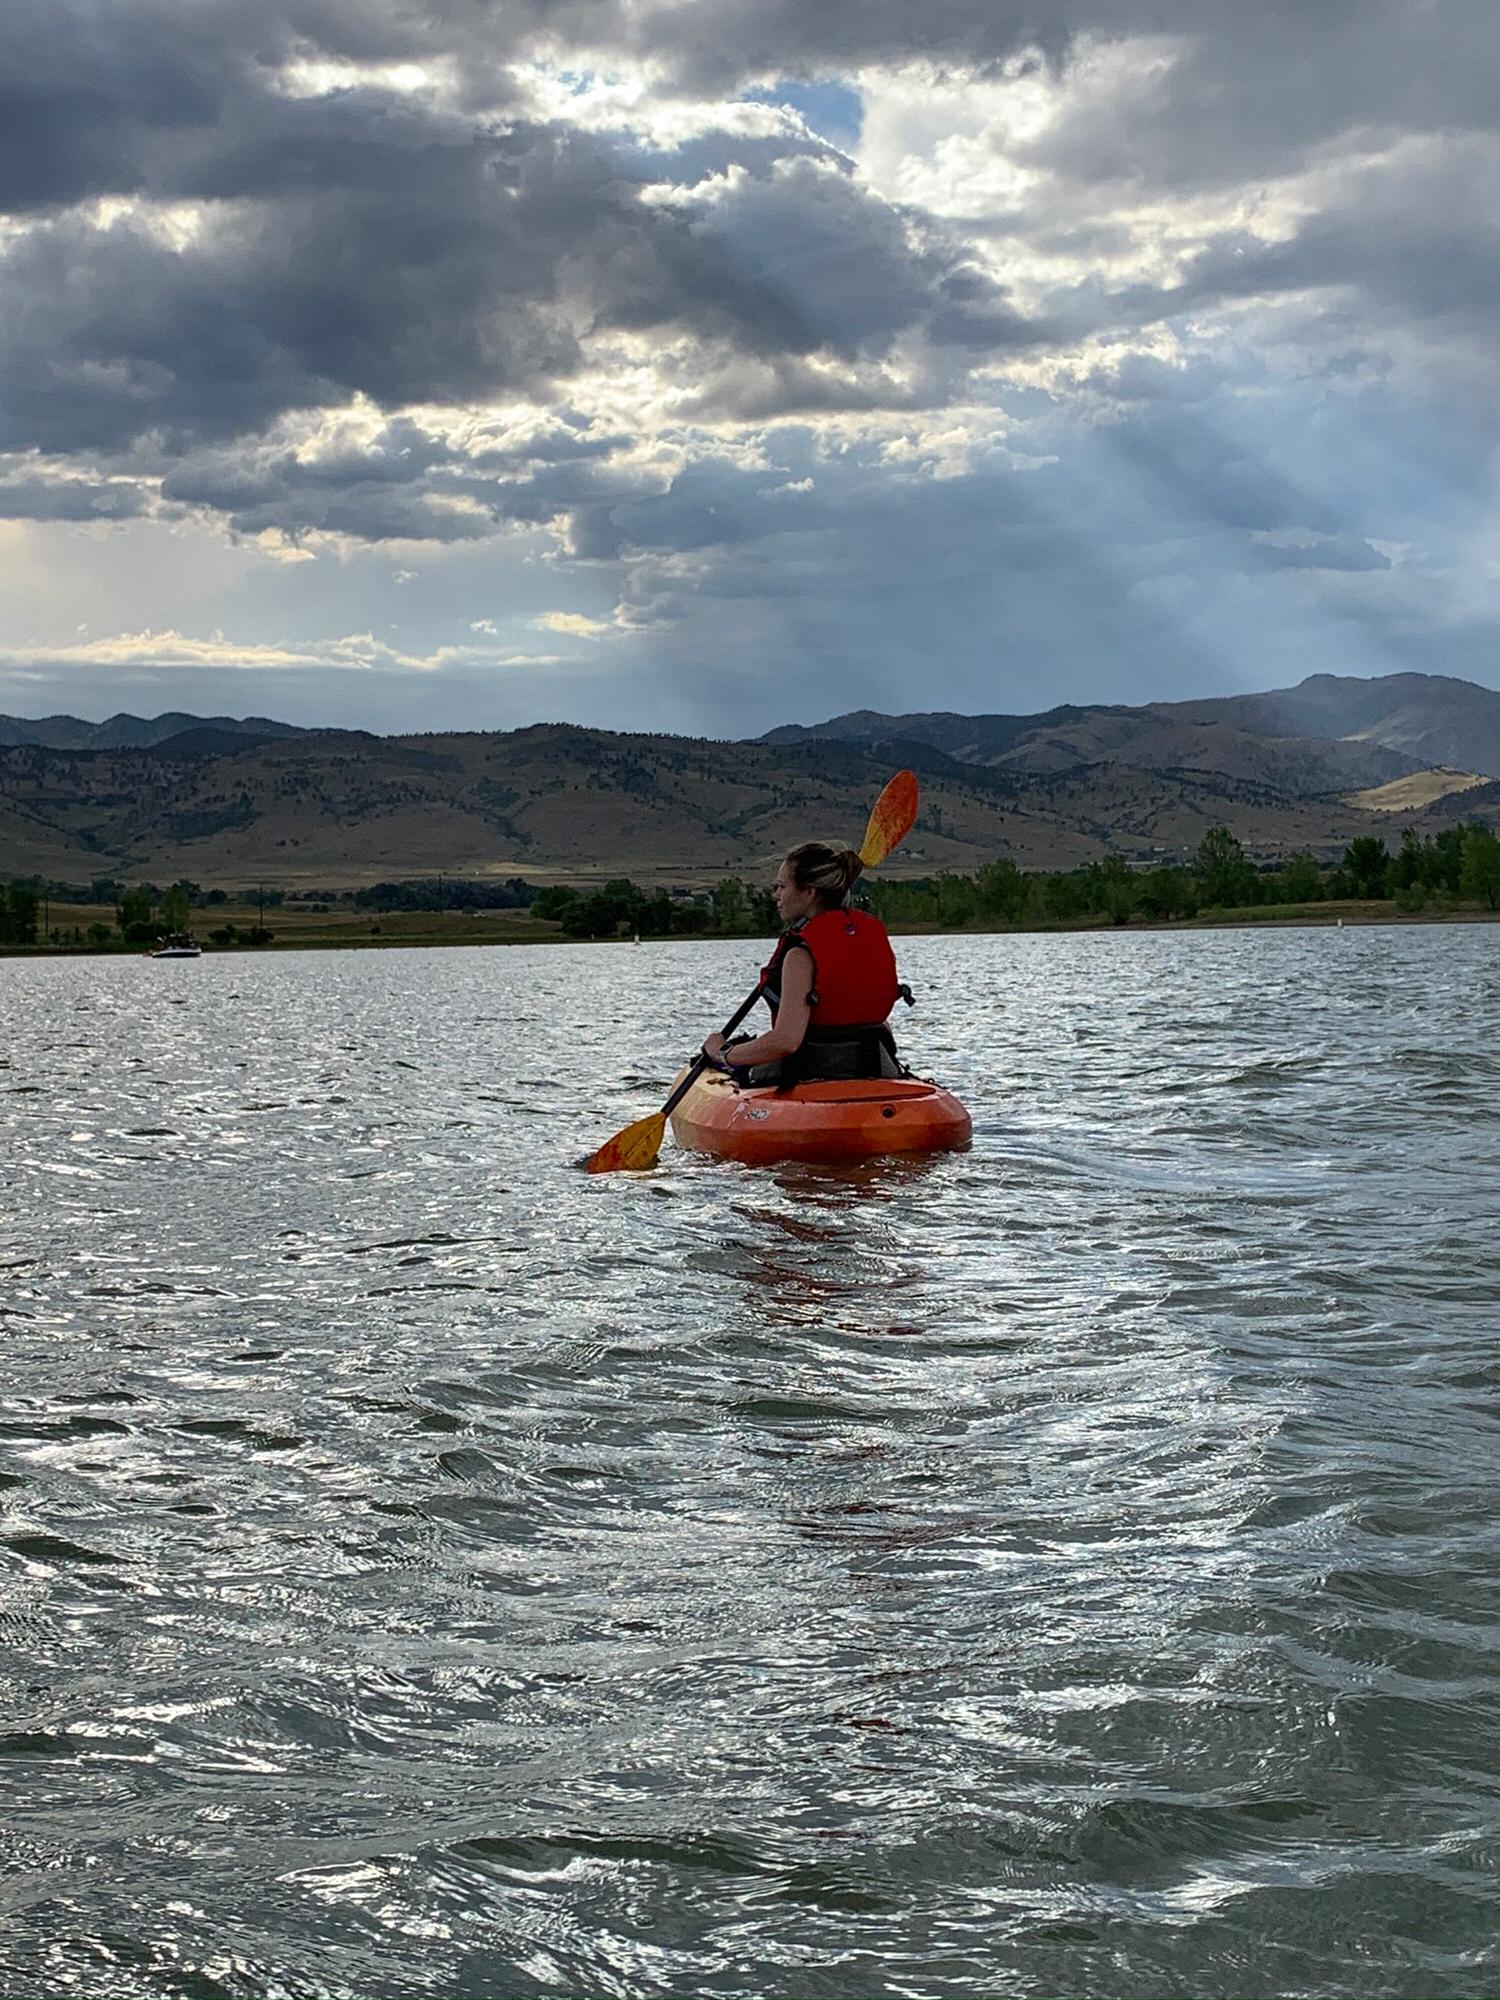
[299, 926]
[1422, 788]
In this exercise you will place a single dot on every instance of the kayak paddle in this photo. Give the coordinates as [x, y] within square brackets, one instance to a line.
[892, 818]
[636, 1148]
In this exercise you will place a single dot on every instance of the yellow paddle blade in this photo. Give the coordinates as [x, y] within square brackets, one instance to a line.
[892, 819]
[632, 1151]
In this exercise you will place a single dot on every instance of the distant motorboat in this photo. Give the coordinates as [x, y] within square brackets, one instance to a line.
[179, 945]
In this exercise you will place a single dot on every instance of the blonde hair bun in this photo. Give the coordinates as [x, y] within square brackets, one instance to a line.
[830, 871]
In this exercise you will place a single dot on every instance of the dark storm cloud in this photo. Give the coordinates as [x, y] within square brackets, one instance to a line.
[1416, 237]
[404, 483]
[442, 289]
[1250, 88]
[803, 260]
[403, 249]
[397, 252]
[148, 95]
[1260, 90]
[733, 42]
[360, 244]
[129, 96]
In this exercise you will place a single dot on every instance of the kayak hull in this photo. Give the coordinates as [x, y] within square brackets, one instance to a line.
[822, 1122]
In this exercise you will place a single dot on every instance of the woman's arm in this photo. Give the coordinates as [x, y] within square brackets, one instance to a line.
[784, 1038]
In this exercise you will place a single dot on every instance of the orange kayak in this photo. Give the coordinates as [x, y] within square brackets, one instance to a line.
[825, 1122]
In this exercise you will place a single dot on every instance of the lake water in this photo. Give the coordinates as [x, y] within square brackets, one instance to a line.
[1068, 1568]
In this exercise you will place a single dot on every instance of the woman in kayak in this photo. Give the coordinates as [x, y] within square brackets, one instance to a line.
[830, 984]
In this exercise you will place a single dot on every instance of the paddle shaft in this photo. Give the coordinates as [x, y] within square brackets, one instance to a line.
[700, 1063]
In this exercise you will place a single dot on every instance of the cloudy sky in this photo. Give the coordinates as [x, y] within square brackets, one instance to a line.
[707, 364]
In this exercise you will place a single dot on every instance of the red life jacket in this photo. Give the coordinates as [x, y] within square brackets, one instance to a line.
[854, 968]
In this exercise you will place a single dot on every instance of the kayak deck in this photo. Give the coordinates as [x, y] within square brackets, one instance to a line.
[824, 1122]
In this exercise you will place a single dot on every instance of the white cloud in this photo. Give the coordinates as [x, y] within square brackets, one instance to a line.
[575, 623]
[350, 652]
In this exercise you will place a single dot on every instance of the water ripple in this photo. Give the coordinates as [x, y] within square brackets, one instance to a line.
[1070, 1567]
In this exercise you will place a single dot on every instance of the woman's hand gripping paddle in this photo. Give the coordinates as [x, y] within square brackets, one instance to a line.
[637, 1147]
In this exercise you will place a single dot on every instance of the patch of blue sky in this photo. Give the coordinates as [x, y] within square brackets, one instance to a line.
[577, 82]
[831, 109]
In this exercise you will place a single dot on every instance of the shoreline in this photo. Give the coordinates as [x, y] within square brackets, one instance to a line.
[459, 931]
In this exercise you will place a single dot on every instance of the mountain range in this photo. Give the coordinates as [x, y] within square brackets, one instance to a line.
[1330, 733]
[187, 735]
[227, 801]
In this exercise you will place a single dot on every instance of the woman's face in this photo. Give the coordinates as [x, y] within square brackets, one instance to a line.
[792, 903]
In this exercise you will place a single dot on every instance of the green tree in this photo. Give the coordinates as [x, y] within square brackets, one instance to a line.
[654, 917]
[620, 891]
[1411, 864]
[1481, 865]
[602, 915]
[1446, 863]
[729, 908]
[1059, 897]
[553, 903]
[1224, 876]
[956, 900]
[1368, 864]
[1000, 891]
[1301, 878]
[134, 909]
[18, 915]
[903, 902]
[620, 903]
[176, 907]
[591, 917]
[1110, 888]
[1165, 893]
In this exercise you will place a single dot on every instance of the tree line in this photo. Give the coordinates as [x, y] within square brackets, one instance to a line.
[1462, 863]
[143, 915]
[445, 892]
[732, 908]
